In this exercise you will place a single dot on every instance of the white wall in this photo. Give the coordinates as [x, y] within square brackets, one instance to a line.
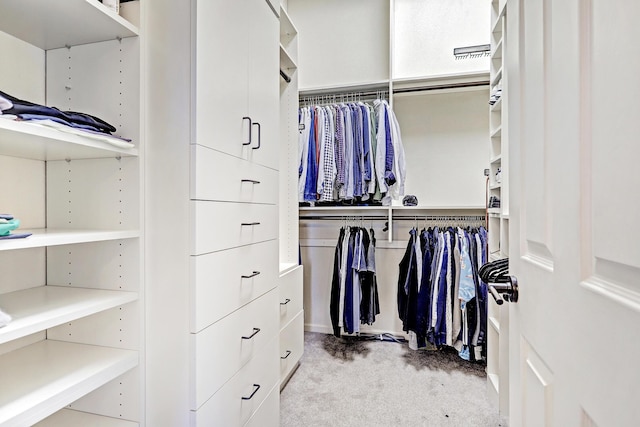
[427, 31]
[446, 138]
[341, 42]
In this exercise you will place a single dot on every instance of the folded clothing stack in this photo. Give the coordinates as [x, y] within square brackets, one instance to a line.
[7, 224]
[69, 121]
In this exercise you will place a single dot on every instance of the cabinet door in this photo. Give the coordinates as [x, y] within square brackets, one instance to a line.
[221, 64]
[264, 107]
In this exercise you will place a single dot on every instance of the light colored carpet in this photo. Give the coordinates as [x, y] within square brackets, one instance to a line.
[348, 383]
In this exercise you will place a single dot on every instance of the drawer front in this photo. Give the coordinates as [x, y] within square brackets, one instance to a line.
[233, 405]
[290, 288]
[221, 177]
[220, 350]
[268, 415]
[220, 225]
[291, 345]
[226, 280]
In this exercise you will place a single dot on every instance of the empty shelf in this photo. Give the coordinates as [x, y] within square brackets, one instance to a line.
[37, 309]
[42, 378]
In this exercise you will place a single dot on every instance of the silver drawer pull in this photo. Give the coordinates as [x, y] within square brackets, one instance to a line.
[253, 181]
[255, 390]
[255, 331]
[246, 224]
[255, 273]
[287, 354]
[287, 301]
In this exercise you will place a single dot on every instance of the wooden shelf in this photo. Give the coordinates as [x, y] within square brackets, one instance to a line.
[37, 309]
[42, 378]
[53, 237]
[496, 53]
[68, 417]
[495, 186]
[495, 79]
[286, 62]
[438, 80]
[497, 106]
[55, 24]
[36, 142]
[288, 31]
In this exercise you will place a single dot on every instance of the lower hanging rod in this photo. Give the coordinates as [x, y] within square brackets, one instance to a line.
[447, 218]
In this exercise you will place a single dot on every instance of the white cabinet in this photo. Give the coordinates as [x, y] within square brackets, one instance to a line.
[290, 289]
[74, 289]
[290, 281]
[214, 224]
[235, 70]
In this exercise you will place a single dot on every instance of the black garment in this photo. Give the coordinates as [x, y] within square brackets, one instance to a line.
[334, 305]
[370, 304]
[408, 287]
[366, 280]
[25, 107]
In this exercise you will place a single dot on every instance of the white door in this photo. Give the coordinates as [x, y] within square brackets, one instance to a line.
[574, 127]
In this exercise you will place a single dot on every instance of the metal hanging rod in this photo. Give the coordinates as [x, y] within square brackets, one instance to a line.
[285, 76]
[442, 87]
[441, 218]
[340, 97]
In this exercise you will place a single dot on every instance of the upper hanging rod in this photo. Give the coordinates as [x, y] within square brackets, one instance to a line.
[285, 76]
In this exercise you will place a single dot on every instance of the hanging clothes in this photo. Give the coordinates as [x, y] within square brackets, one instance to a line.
[354, 288]
[350, 152]
[441, 299]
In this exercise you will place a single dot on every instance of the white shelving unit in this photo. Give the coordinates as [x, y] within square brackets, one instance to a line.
[42, 378]
[49, 25]
[498, 328]
[288, 206]
[290, 284]
[32, 141]
[67, 417]
[43, 307]
[54, 237]
[74, 287]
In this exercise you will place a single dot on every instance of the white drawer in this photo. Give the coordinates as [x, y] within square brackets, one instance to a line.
[220, 350]
[290, 288]
[221, 177]
[268, 415]
[233, 405]
[291, 345]
[222, 282]
[221, 225]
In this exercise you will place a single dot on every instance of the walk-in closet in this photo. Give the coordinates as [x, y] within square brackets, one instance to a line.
[312, 213]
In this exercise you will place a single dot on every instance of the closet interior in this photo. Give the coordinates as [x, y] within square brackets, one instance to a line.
[440, 101]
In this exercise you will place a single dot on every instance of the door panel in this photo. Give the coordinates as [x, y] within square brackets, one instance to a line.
[264, 86]
[537, 225]
[220, 88]
[573, 126]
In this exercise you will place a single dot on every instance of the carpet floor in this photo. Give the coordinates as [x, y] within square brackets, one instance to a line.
[343, 382]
